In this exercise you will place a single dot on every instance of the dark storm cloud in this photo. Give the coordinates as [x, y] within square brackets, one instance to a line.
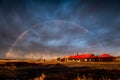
[99, 17]
[11, 25]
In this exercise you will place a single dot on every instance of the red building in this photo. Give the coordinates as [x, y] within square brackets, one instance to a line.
[105, 57]
[82, 57]
[89, 58]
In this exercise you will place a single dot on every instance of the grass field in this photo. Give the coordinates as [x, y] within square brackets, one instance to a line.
[54, 70]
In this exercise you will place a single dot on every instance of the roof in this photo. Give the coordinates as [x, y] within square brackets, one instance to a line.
[105, 56]
[94, 57]
[82, 56]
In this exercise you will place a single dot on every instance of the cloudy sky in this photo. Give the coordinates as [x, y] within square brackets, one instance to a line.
[50, 28]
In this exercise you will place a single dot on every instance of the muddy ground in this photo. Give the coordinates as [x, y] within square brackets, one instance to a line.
[60, 71]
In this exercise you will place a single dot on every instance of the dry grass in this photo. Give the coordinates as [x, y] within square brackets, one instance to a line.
[54, 70]
[41, 77]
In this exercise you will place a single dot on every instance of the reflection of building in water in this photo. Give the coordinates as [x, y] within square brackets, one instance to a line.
[88, 58]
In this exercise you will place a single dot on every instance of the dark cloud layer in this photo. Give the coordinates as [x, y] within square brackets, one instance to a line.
[59, 27]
